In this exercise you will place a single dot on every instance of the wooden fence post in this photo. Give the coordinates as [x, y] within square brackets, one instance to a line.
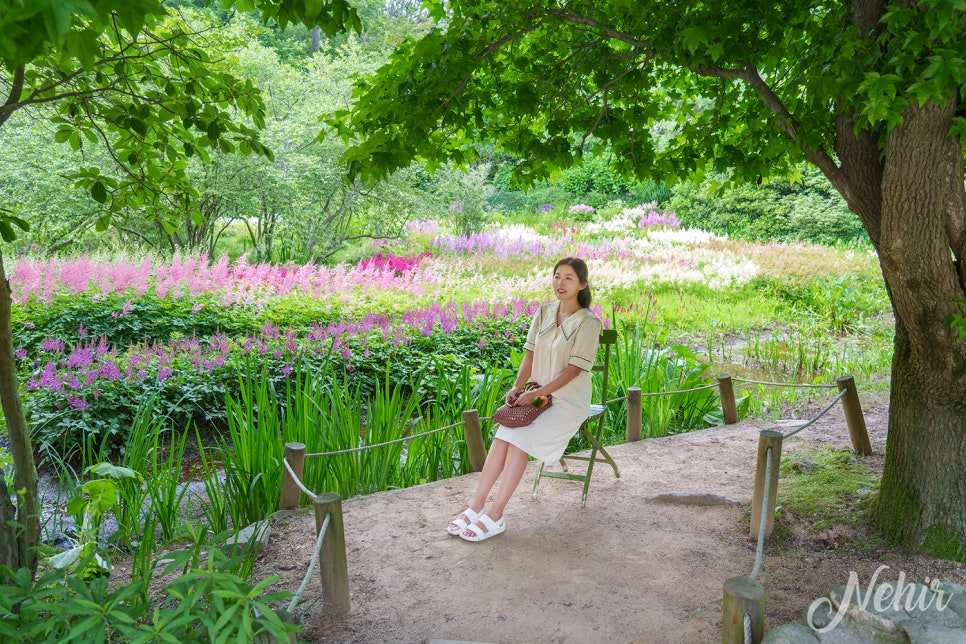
[635, 414]
[773, 440]
[727, 392]
[742, 595]
[332, 558]
[291, 492]
[474, 439]
[853, 416]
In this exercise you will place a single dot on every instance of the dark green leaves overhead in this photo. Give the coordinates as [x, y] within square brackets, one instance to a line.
[671, 88]
[72, 28]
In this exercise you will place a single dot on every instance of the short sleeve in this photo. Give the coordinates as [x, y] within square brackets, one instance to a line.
[531, 343]
[584, 351]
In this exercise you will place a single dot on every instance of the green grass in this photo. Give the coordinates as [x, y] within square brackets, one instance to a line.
[825, 486]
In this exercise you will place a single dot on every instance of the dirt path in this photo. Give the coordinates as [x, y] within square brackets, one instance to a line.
[626, 568]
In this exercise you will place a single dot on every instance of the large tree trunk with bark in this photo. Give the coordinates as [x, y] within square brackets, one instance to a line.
[20, 530]
[917, 228]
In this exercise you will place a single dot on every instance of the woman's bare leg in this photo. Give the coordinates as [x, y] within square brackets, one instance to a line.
[495, 464]
[495, 460]
[515, 464]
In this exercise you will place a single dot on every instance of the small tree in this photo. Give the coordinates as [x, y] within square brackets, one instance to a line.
[131, 77]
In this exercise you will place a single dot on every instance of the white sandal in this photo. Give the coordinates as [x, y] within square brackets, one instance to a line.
[476, 533]
[461, 523]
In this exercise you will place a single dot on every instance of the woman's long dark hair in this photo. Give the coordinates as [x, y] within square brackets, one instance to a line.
[583, 296]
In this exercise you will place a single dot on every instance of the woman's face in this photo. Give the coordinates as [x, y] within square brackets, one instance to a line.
[566, 284]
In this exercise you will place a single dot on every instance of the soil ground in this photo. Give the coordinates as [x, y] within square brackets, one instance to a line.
[628, 567]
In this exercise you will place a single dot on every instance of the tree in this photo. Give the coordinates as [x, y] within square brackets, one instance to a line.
[868, 91]
[126, 75]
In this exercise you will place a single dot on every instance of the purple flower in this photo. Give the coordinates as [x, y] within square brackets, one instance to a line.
[52, 344]
[20, 353]
[77, 403]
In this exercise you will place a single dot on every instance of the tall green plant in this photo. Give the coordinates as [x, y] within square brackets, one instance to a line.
[252, 455]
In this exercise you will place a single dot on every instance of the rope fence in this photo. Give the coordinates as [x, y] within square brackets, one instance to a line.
[743, 606]
[312, 562]
[818, 415]
[404, 439]
[797, 385]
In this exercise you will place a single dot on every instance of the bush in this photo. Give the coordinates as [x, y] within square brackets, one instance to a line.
[809, 211]
[82, 395]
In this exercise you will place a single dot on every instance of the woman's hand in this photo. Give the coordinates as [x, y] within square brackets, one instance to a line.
[527, 398]
[512, 395]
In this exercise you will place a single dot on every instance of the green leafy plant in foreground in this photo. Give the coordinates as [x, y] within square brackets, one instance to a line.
[96, 498]
[209, 602]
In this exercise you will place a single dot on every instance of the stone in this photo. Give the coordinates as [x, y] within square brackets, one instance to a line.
[804, 466]
[790, 634]
[888, 604]
[692, 498]
[957, 601]
[922, 631]
[257, 533]
[859, 634]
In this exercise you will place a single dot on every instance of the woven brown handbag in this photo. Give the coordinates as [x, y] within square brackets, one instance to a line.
[522, 415]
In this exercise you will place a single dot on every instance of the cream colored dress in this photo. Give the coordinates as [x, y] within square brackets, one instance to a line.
[554, 347]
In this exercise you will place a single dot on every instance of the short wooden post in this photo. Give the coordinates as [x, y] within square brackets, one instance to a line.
[332, 558]
[474, 439]
[291, 492]
[727, 392]
[767, 439]
[286, 618]
[635, 414]
[853, 416]
[742, 596]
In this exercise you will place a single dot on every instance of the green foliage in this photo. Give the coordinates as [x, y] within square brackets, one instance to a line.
[96, 498]
[73, 30]
[777, 209]
[128, 320]
[957, 322]
[209, 602]
[643, 360]
[843, 304]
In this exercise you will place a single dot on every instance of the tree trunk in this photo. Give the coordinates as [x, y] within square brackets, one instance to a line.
[20, 551]
[922, 500]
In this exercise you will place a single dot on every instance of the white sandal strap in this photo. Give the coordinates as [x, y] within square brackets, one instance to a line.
[489, 523]
[461, 522]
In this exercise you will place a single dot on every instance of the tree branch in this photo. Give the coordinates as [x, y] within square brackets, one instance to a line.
[569, 16]
[16, 89]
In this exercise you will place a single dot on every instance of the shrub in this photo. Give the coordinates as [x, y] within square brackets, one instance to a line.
[778, 209]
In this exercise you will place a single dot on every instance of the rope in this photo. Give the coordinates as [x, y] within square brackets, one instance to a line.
[680, 391]
[784, 384]
[397, 440]
[312, 562]
[748, 639]
[763, 518]
[297, 480]
[817, 416]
